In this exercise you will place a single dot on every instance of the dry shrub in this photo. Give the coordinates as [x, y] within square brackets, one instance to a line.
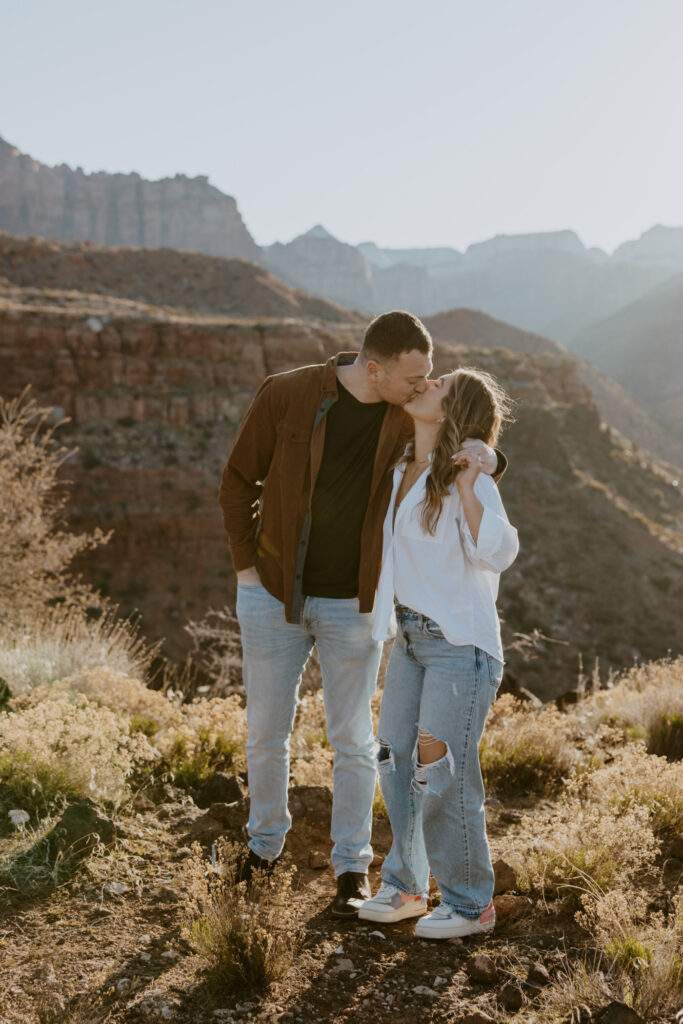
[639, 779]
[53, 643]
[524, 749]
[248, 935]
[577, 985]
[582, 848]
[56, 746]
[217, 650]
[216, 725]
[646, 950]
[641, 699]
[191, 741]
[35, 551]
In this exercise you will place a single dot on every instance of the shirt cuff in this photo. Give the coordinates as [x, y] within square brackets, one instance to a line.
[489, 537]
[244, 556]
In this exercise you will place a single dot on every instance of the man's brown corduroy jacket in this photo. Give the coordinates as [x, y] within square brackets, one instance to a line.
[270, 475]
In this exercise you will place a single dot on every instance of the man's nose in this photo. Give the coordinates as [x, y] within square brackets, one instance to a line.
[423, 386]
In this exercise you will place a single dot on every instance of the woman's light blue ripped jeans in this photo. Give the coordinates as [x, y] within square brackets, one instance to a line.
[436, 810]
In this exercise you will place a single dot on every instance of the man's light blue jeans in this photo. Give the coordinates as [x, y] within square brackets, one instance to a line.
[275, 652]
[436, 810]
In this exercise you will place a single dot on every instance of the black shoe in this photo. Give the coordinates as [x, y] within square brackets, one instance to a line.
[249, 863]
[353, 888]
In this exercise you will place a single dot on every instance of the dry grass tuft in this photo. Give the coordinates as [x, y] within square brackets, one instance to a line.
[645, 950]
[525, 750]
[638, 779]
[640, 702]
[248, 935]
[583, 848]
[53, 643]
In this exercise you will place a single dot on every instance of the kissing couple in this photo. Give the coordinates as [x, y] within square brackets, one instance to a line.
[360, 500]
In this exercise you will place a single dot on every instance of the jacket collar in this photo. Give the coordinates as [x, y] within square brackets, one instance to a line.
[330, 372]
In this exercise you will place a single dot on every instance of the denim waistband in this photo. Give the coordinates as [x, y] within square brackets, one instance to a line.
[405, 612]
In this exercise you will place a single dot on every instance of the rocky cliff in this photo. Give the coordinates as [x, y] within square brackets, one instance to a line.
[118, 209]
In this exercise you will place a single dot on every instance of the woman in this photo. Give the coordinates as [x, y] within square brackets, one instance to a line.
[446, 540]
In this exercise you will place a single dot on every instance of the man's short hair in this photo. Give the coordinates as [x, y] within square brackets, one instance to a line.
[391, 334]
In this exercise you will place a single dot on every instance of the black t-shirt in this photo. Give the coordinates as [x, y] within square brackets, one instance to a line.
[340, 497]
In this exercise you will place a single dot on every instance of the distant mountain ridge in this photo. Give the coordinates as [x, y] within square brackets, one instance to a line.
[614, 309]
[548, 283]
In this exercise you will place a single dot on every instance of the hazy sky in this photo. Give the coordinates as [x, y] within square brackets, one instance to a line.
[439, 123]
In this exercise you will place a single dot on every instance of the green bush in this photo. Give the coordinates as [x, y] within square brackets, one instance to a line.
[665, 736]
[213, 753]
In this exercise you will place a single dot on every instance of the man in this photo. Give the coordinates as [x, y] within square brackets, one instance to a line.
[304, 495]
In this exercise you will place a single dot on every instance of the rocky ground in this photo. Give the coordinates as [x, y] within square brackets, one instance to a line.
[111, 944]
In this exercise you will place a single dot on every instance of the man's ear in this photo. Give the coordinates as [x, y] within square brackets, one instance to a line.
[373, 369]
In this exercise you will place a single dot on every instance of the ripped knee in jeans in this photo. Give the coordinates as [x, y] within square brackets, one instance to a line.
[430, 756]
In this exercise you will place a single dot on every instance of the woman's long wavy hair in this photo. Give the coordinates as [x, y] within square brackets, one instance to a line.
[475, 406]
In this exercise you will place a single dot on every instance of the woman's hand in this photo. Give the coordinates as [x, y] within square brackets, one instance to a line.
[474, 447]
[471, 465]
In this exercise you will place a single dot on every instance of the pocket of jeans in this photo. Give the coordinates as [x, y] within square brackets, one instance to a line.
[432, 628]
[495, 671]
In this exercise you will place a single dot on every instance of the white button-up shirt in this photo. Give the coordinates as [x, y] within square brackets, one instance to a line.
[446, 576]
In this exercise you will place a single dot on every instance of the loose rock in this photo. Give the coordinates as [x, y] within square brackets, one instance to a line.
[617, 1013]
[505, 876]
[477, 1017]
[509, 907]
[220, 788]
[482, 969]
[538, 975]
[342, 966]
[80, 828]
[317, 860]
[511, 997]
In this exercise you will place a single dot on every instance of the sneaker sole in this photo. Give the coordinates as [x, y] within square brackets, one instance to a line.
[455, 932]
[390, 916]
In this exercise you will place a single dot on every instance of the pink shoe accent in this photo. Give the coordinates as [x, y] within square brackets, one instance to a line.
[489, 914]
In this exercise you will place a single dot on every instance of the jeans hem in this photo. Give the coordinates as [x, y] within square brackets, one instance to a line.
[466, 912]
[357, 868]
[264, 853]
[402, 888]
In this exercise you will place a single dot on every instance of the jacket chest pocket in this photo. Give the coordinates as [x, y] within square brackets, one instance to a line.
[294, 443]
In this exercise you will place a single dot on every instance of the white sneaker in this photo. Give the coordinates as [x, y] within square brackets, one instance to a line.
[390, 904]
[445, 923]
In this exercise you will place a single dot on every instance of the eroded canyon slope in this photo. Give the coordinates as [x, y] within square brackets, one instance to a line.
[155, 395]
